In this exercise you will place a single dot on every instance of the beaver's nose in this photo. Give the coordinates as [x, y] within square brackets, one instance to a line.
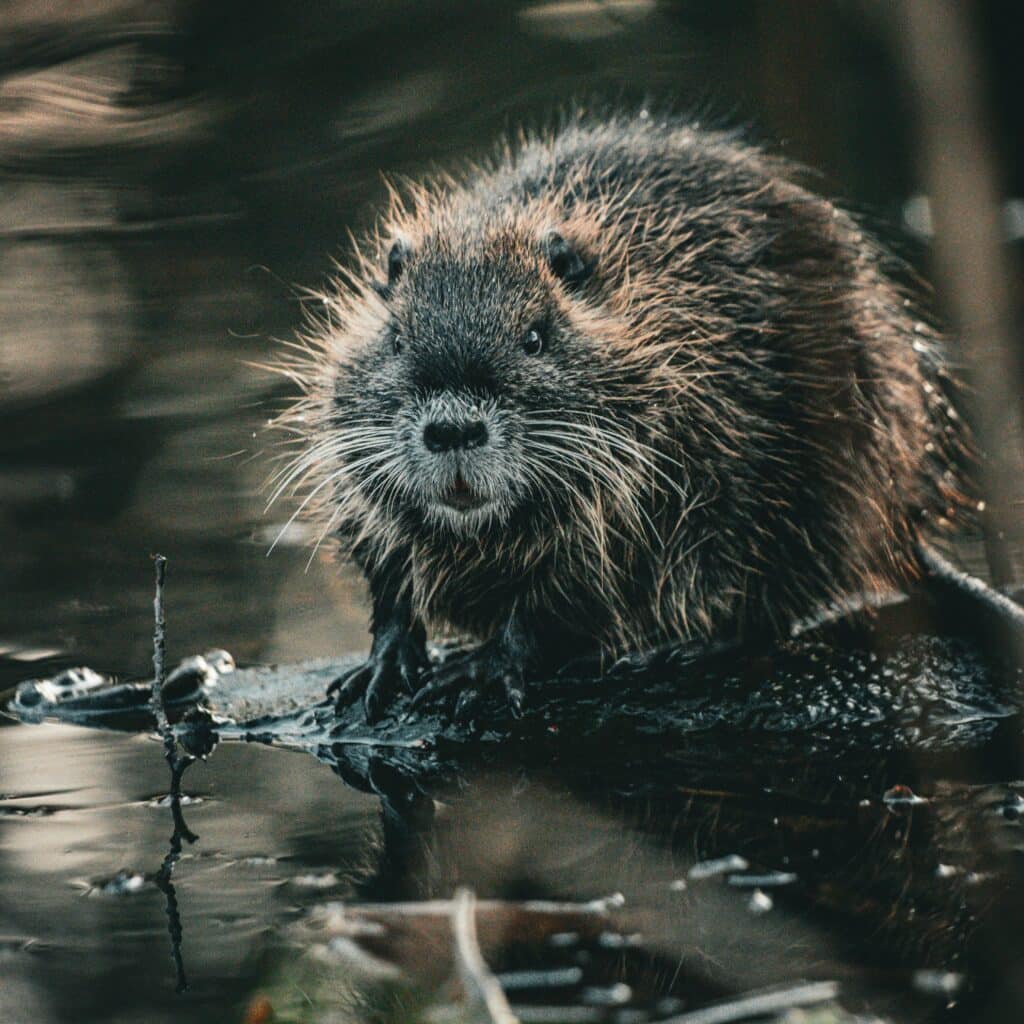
[446, 436]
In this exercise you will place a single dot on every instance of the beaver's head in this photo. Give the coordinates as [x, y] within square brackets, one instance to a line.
[473, 389]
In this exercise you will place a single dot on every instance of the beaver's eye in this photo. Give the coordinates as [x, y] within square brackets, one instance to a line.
[533, 341]
[396, 344]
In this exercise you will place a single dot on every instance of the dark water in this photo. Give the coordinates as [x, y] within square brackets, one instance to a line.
[142, 274]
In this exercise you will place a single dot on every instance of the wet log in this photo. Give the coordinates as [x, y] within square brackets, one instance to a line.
[872, 685]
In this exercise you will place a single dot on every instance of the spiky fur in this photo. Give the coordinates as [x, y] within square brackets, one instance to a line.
[740, 421]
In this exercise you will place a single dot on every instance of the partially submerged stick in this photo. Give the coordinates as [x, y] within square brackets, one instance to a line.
[177, 763]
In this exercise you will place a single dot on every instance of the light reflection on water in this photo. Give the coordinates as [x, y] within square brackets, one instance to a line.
[266, 819]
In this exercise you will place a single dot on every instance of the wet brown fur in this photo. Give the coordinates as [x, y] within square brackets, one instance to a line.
[770, 430]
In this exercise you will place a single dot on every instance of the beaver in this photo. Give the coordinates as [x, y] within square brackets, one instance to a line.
[629, 381]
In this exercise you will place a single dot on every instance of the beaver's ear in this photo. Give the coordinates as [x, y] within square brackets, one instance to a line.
[565, 261]
[398, 257]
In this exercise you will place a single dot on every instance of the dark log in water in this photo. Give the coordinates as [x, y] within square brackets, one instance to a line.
[875, 684]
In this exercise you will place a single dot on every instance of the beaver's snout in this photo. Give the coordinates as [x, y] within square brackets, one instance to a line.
[460, 459]
[451, 435]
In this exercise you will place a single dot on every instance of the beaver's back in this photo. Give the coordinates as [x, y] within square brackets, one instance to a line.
[776, 400]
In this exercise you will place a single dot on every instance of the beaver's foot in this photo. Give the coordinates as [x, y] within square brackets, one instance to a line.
[396, 664]
[470, 677]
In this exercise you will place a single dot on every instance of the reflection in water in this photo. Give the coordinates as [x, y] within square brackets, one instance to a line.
[164, 882]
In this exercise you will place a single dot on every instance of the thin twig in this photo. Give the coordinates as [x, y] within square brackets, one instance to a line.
[156, 700]
[177, 762]
[485, 998]
[760, 1004]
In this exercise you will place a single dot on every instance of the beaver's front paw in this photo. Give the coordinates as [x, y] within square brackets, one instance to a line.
[470, 677]
[396, 663]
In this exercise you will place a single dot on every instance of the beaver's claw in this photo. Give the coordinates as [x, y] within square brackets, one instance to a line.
[471, 676]
[396, 663]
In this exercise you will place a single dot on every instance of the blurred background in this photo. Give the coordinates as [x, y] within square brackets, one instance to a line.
[173, 172]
